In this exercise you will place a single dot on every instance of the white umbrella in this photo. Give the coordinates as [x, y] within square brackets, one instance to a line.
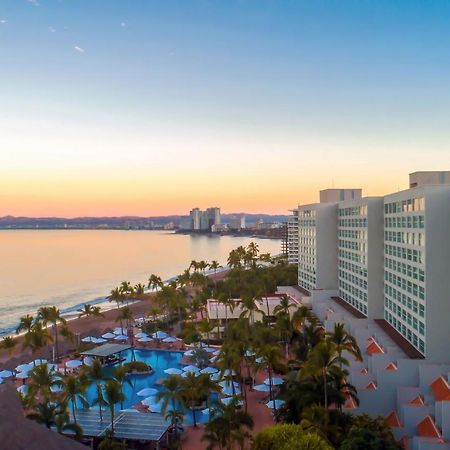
[118, 330]
[229, 372]
[141, 335]
[275, 404]
[261, 388]
[191, 368]
[88, 360]
[170, 339]
[249, 353]
[121, 337]
[209, 370]
[145, 339]
[22, 375]
[216, 376]
[6, 374]
[108, 336]
[259, 360]
[99, 341]
[213, 359]
[149, 401]
[22, 389]
[147, 392]
[159, 335]
[188, 353]
[88, 339]
[216, 352]
[56, 388]
[226, 383]
[275, 381]
[38, 362]
[173, 371]
[230, 391]
[24, 367]
[73, 363]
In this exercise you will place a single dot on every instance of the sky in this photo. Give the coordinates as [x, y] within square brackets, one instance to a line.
[145, 107]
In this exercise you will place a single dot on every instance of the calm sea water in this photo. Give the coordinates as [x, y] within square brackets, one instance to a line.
[67, 268]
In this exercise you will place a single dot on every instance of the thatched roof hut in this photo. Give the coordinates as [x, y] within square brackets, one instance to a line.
[19, 433]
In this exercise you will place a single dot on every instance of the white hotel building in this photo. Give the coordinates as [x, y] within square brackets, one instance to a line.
[388, 257]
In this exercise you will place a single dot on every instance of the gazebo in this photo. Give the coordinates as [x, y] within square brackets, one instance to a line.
[109, 353]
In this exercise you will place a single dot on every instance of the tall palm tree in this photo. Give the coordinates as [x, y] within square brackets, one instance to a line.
[229, 360]
[120, 375]
[8, 343]
[323, 361]
[37, 338]
[344, 342]
[234, 259]
[249, 307]
[74, 389]
[41, 380]
[206, 386]
[155, 282]
[205, 327]
[228, 426]
[214, 266]
[25, 323]
[191, 388]
[116, 295]
[173, 393]
[271, 358]
[125, 314]
[139, 289]
[96, 374]
[89, 311]
[51, 315]
[113, 395]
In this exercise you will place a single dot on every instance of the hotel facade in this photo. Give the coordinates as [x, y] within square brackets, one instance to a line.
[388, 258]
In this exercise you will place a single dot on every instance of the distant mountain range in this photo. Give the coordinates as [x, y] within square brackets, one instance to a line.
[121, 222]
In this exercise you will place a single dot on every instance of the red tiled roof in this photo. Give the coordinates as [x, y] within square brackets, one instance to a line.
[373, 348]
[391, 366]
[440, 388]
[372, 386]
[427, 428]
[393, 420]
[350, 403]
[418, 401]
[364, 370]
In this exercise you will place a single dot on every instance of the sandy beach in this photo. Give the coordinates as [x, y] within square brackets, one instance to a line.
[84, 326]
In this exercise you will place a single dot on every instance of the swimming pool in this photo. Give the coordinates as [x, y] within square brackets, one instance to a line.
[158, 360]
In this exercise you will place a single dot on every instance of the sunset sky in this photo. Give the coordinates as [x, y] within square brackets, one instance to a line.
[144, 107]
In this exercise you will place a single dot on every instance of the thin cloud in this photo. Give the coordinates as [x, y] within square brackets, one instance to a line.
[52, 30]
[78, 49]
[2, 21]
[33, 2]
[123, 24]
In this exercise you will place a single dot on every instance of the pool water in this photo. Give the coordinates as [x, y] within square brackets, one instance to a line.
[158, 360]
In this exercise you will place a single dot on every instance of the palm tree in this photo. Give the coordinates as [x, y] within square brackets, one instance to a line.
[206, 386]
[125, 314]
[234, 259]
[173, 393]
[323, 361]
[194, 265]
[25, 324]
[215, 266]
[205, 327]
[8, 343]
[139, 289]
[344, 342]
[42, 379]
[116, 295]
[120, 375]
[67, 333]
[229, 359]
[202, 265]
[74, 388]
[154, 311]
[228, 426]
[271, 358]
[113, 395]
[249, 308]
[37, 338]
[96, 374]
[155, 282]
[89, 311]
[191, 389]
[52, 315]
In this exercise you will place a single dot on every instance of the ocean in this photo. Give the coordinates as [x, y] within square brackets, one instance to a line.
[68, 268]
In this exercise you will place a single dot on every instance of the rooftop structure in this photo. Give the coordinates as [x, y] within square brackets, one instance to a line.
[424, 178]
[105, 350]
[129, 425]
[339, 195]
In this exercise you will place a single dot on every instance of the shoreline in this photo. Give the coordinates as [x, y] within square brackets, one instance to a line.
[83, 326]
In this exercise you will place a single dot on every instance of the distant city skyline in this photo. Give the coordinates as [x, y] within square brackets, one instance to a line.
[154, 107]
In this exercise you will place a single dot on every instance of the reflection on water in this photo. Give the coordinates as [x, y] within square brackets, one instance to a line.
[68, 267]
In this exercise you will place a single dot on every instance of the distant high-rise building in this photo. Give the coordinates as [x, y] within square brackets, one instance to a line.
[204, 220]
[292, 238]
[237, 222]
